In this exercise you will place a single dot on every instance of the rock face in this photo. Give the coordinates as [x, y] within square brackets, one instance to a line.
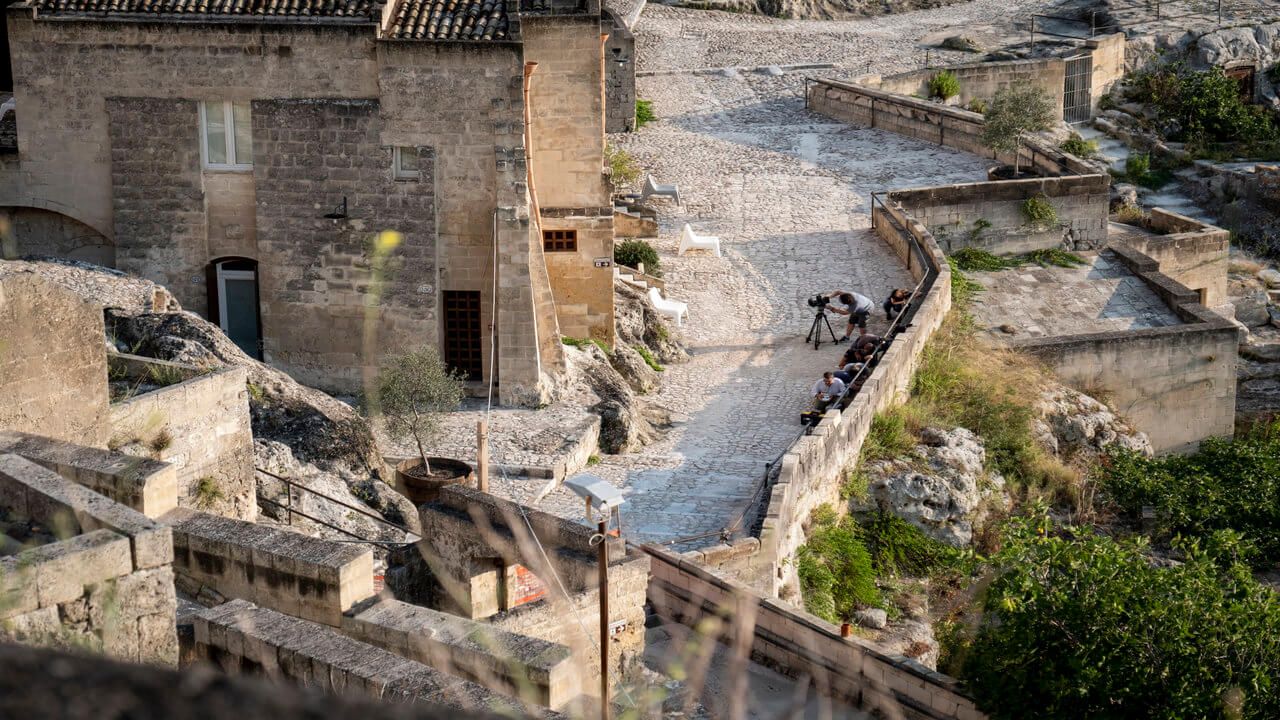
[637, 322]
[1251, 310]
[627, 421]
[937, 488]
[1072, 423]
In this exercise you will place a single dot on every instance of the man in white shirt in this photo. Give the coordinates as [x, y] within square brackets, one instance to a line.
[826, 390]
[857, 307]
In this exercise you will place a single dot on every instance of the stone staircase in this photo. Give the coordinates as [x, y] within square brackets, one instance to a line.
[1115, 153]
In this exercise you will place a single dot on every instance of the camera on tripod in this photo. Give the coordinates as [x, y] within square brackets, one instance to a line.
[819, 320]
[818, 301]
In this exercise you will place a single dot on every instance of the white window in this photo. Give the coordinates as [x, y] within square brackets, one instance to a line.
[406, 162]
[226, 135]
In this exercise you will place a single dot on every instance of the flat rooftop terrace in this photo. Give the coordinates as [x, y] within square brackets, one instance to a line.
[1100, 296]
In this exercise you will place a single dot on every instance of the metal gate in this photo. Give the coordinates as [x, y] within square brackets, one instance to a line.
[1076, 100]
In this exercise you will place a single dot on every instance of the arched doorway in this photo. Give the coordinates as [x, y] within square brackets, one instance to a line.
[233, 302]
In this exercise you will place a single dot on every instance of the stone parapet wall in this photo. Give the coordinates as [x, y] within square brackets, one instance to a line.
[107, 586]
[535, 670]
[243, 639]
[205, 420]
[980, 81]
[1191, 252]
[1177, 383]
[989, 215]
[306, 577]
[798, 644]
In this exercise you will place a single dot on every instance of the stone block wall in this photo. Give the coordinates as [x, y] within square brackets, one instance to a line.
[1191, 252]
[981, 80]
[989, 215]
[243, 639]
[36, 231]
[534, 670]
[1266, 186]
[210, 439]
[798, 644]
[583, 293]
[108, 586]
[159, 222]
[1108, 64]
[1177, 383]
[619, 76]
[292, 573]
[314, 273]
[53, 365]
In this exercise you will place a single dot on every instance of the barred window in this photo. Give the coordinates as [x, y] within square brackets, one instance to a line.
[560, 240]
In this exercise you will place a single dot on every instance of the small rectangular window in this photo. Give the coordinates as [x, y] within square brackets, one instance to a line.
[559, 240]
[406, 162]
[226, 130]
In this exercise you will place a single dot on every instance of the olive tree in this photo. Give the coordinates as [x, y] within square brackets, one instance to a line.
[1018, 108]
[415, 391]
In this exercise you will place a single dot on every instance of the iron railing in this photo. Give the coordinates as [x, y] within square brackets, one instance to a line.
[291, 510]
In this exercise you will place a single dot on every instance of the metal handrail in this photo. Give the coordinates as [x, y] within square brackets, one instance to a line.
[289, 508]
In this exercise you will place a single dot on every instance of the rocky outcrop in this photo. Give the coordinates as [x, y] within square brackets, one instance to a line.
[938, 486]
[1072, 424]
[627, 420]
[637, 322]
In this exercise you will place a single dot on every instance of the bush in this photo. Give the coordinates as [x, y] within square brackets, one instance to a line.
[1039, 212]
[1078, 146]
[1137, 165]
[1130, 215]
[645, 113]
[1018, 108]
[648, 357]
[1201, 106]
[1054, 256]
[634, 252]
[978, 105]
[623, 169]
[944, 85]
[899, 548]
[835, 572]
[975, 260]
[414, 392]
[963, 287]
[888, 437]
[1227, 484]
[1082, 626]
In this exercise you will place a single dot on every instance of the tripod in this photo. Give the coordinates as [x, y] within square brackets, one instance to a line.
[815, 330]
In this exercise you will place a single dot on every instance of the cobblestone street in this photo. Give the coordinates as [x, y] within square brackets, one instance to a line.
[788, 193]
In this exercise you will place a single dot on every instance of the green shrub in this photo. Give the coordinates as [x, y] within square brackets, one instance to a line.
[944, 85]
[1078, 146]
[165, 375]
[978, 105]
[1136, 216]
[648, 357]
[1054, 256]
[208, 492]
[975, 260]
[414, 391]
[583, 343]
[835, 572]
[1018, 108]
[644, 113]
[1201, 106]
[1082, 626]
[1039, 212]
[1227, 484]
[633, 252]
[623, 169]
[1137, 165]
[899, 548]
[963, 287]
[889, 436]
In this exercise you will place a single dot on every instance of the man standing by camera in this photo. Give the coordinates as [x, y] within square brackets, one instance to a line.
[857, 307]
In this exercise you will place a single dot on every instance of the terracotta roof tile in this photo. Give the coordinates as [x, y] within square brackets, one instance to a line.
[450, 20]
[266, 8]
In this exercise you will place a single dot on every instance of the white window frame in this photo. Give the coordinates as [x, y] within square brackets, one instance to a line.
[400, 172]
[228, 135]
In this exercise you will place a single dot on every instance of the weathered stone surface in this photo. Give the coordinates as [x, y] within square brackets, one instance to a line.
[1270, 277]
[940, 499]
[873, 618]
[637, 322]
[634, 370]
[1123, 195]
[1071, 422]
[1252, 310]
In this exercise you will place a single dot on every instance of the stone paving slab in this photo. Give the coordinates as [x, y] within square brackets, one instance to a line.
[1100, 296]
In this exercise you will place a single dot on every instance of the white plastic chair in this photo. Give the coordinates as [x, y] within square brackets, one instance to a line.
[651, 187]
[690, 240]
[670, 308]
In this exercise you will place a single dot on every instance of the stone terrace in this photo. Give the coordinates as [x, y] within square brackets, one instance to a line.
[1100, 296]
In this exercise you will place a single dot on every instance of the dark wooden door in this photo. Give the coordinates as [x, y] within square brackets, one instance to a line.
[463, 340]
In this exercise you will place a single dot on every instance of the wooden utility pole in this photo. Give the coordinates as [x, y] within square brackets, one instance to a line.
[603, 552]
[482, 454]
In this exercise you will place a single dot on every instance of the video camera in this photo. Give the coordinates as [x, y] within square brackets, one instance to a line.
[818, 301]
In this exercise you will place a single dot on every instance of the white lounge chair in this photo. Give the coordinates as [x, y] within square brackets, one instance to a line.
[690, 240]
[653, 188]
[670, 308]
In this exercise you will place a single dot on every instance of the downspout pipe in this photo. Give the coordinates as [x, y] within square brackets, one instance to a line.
[529, 67]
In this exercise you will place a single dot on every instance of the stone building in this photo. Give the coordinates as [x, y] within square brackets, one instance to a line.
[247, 155]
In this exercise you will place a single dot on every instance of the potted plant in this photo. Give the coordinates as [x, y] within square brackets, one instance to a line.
[415, 390]
[1016, 109]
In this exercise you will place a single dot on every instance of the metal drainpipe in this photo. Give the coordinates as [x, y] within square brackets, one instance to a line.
[529, 67]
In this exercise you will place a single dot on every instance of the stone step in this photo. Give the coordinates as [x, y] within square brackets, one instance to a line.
[1267, 352]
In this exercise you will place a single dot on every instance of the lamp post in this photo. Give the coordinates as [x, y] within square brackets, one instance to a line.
[597, 492]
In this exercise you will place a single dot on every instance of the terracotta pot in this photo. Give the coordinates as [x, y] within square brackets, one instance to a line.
[421, 490]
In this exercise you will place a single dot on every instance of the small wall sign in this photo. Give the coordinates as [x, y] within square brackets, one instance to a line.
[604, 262]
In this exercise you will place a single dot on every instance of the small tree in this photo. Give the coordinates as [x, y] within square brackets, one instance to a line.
[414, 391]
[1021, 107]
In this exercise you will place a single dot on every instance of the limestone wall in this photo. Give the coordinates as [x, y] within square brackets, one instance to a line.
[989, 215]
[801, 645]
[107, 586]
[619, 76]
[1177, 383]
[37, 231]
[535, 670]
[1191, 252]
[243, 639]
[295, 574]
[981, 80]
[201, 426]
[53, 365]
